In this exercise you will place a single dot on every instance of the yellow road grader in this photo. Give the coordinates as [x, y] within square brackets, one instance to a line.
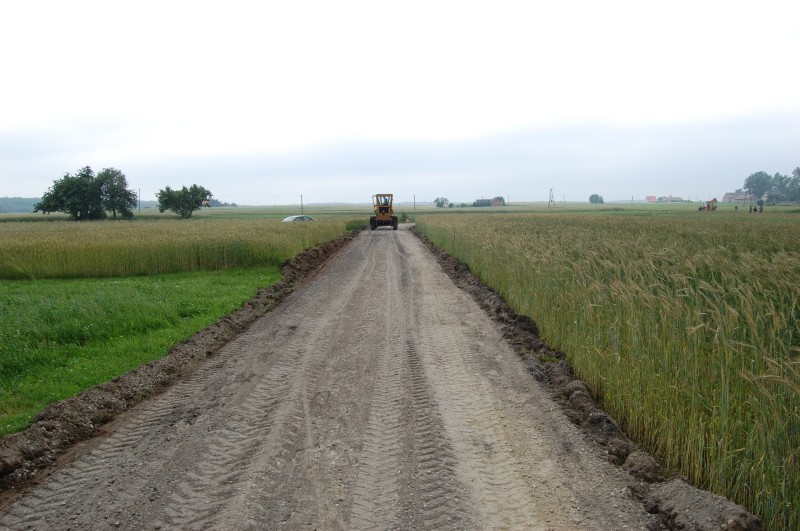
[384, 215]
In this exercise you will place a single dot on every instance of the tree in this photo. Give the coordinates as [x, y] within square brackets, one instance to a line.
[84, 196]
[793, 188]
[596, 199]
[758, 184]
[218, 203]
[184, 201]
[779, 190]
[80, 196]
[441, 202]
[116, 196]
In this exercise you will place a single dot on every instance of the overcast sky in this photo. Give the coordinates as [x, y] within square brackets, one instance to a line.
[261, 102]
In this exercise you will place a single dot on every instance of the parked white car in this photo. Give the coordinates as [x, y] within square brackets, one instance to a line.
[298, 218]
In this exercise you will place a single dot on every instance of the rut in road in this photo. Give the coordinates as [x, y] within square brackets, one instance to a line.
[378, 395]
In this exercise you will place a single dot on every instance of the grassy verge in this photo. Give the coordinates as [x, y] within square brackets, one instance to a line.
[59, 337]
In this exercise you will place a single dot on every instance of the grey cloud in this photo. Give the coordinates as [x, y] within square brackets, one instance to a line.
[694, 160]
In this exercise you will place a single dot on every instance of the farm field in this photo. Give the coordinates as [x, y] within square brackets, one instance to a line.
[81, 303]
[63, 249]
[686, 326]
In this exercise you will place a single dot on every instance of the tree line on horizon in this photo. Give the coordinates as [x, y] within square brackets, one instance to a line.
[774, 188]
[443, 202]
[88, 196]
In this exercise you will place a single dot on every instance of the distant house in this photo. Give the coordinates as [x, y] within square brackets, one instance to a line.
[733, 197]
[650, 199]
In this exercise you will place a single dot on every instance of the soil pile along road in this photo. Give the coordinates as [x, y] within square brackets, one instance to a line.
[376, 395]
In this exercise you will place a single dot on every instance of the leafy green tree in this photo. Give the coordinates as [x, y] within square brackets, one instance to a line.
[116, 196]
[86, 196]
[596, 199]
[793, 188]
[441, 202]
[758, 184]
[80, 196]
[184, 201]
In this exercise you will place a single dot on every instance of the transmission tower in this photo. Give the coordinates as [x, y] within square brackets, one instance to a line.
[551, 202]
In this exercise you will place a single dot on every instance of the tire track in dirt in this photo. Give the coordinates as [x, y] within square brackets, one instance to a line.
[471, 417]
[440, 495]
[216, 475]
[405, 478]
[277, 491]
[94, 476]
[376, 492]
[376, 498]
[440, 499]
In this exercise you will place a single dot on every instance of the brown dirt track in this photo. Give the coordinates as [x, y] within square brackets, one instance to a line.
[374, 395]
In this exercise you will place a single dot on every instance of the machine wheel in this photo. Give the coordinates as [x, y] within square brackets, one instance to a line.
[394, 222]
[373, 223]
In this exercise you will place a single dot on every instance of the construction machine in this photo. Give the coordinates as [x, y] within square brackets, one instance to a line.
[384, 215]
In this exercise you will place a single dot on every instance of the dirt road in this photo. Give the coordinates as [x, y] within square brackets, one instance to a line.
[378, 395]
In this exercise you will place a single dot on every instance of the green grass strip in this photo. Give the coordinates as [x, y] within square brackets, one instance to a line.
[60, 337]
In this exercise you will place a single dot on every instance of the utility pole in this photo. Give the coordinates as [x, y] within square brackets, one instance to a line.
[551, 202]
[140, 200]
[301, 204]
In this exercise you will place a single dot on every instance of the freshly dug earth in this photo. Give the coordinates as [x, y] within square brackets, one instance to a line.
[375, 395]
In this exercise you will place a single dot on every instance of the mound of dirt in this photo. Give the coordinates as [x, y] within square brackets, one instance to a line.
[686, 507]
[59, 426]
[679, 505]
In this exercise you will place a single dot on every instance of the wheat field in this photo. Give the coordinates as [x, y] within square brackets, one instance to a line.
[63, 249]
